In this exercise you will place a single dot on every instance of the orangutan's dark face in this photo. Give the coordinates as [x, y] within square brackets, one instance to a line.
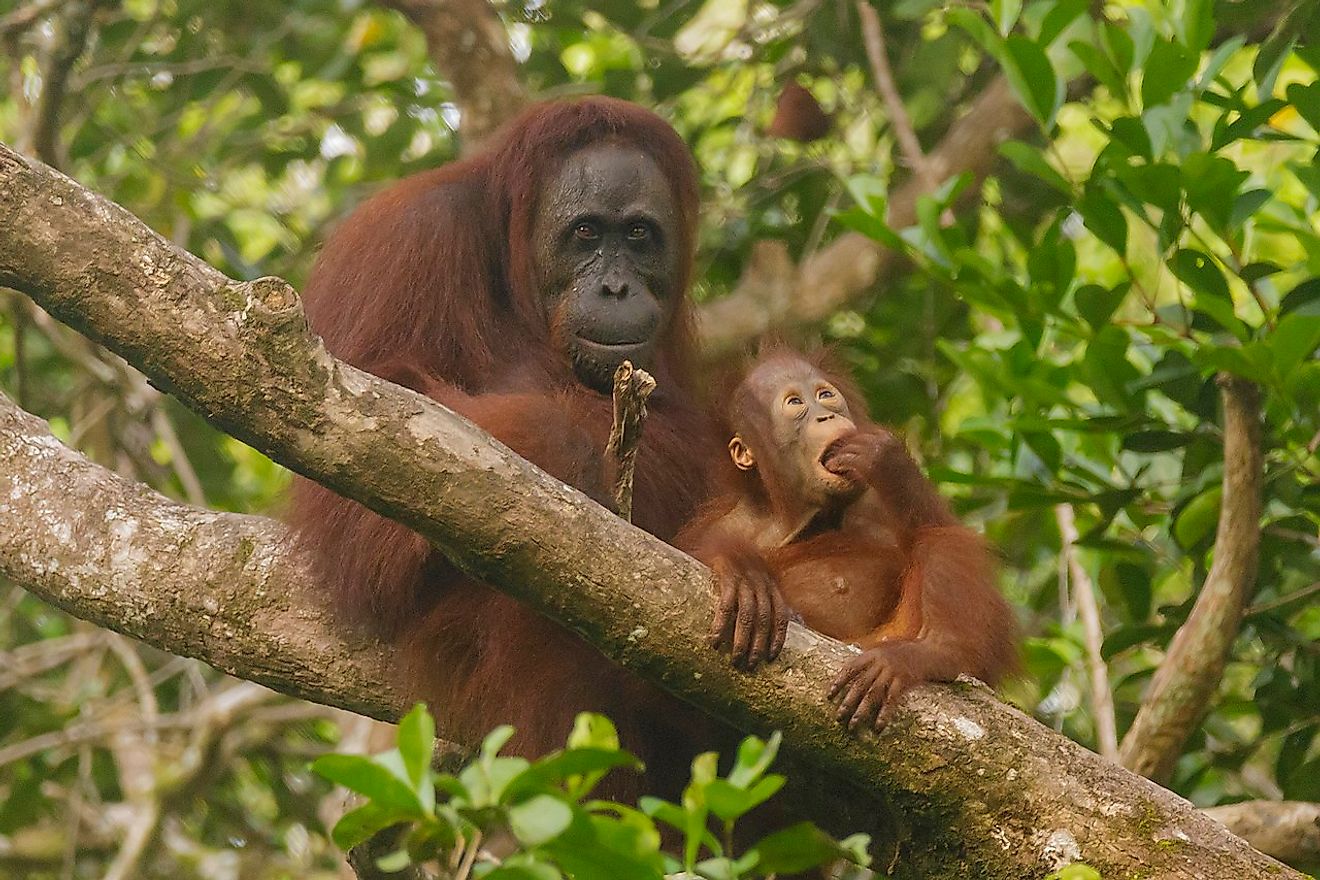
[607, 249]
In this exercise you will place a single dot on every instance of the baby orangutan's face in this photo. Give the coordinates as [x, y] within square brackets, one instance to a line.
[801, 414]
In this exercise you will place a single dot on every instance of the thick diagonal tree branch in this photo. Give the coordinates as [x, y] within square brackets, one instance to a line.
[979, 789]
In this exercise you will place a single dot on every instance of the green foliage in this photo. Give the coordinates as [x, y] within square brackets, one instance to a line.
[1177, 243]
[545, 806]
[1075, 872]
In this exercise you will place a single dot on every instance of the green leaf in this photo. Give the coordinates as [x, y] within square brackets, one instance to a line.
[1168, 69]
[1223, 53]
[1198, 24]
[1294, 340]
[1197, 520]
[1306, 98]
[1119, 45]
[1244, 362]
[1100, 66]
[1300, 16]
[1131, 133]
[1032, 77]
[360, 824]
[678, 818]
[1199, 272]
[1158, 184]
[540, 819]
[495, 740]
[1056, 21]
[730, 802]
[1028, 160]
[1078, 871]
[795, 849]
[1005, 13]
[1309, 175]
[1107, 370]
[524, 871]
[869, 192]
[394, 862]
[1133, 584]
[872, 226]
[1246, 205]
[1211, 184]
[487, 780]
[417, 743]
[754, 757]
[579, 770]
[593, 732]
[600, 848]
[1155, 441]
[368, 777]
[1246, 123]
[976, 27]
[1304, 299]
[1104, 218]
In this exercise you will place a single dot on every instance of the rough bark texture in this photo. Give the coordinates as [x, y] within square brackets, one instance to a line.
[470, 47]
[218, 586]
[1189, 676]
[969, 787]
[774, 295]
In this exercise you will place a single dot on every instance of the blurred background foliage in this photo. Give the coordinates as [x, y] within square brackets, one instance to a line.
[1049, 342]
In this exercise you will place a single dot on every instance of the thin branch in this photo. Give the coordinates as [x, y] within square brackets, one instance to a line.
[470, 48]
[1083, 595]
[873, 38]
[25, 16]
[72, 29]
[1189, 676]
[631, 389]
[1287, 830]
[794, 296]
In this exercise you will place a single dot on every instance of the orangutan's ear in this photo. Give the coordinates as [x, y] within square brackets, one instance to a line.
[741, 454]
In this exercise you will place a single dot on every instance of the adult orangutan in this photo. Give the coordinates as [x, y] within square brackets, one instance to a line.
[829, 518]
[509, 286]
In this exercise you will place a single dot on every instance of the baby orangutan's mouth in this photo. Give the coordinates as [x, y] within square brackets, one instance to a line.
[831, 477]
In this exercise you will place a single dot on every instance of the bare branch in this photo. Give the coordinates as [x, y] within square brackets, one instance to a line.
[470, 48]
[1287, 830]
[1188, 678]
[1083, 593]
[873, 38]
[631, 389]
[773, 295]
[72, 28]
[961, 766]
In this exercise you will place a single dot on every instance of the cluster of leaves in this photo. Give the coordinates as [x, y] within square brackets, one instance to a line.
[545, 807]
[1171, 238]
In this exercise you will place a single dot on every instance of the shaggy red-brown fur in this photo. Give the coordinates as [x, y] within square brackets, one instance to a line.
[885, 566]
[432, 284]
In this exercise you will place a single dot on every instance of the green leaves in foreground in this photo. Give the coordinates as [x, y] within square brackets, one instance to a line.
[543, 806]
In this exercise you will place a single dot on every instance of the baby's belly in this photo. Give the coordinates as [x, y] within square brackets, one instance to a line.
[843, 595]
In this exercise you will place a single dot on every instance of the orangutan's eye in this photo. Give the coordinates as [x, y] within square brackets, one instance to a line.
[825, 394]
[639, 232]
[586, 231]
[793, 400]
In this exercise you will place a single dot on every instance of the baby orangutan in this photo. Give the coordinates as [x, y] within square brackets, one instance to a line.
[832, 520]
